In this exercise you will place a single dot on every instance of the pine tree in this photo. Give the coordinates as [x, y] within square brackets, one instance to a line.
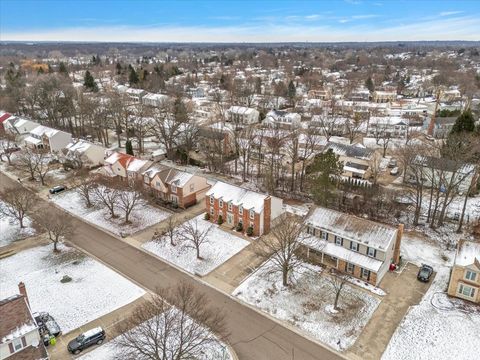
[464, 123]
[291, 92]
[62, 69]
[369, 84]
[325, 168]
[133, 77]
[129, 147]
[89, 82]
[119, 68]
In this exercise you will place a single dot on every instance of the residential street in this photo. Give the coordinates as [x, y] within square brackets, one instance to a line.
[253, 335]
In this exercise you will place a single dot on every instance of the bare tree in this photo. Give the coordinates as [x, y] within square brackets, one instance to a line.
[194, 235]
[175, 324]
[129, 198]
[43, 164]
[7, 142]
[28, 161]
[336, 280]
[283, 245]
[86, 186]
[57, 224]
[171, 230]
[354, 126]
[108, 196]
[17, 201]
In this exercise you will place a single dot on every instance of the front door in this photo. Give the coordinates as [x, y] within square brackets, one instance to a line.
[229, 219]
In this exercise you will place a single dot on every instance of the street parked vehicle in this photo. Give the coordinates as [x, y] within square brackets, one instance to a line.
[425, 273]
[87, 339]
[57, 189]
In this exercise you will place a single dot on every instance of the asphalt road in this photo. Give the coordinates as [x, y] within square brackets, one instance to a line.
[252, 335]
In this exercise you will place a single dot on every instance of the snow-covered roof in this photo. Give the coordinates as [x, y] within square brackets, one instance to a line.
[44, 130]
[350, 227]
[136, 165]
[242, 110]
[32, 140]
[349, 150]
[467, 253]
[16, 318]
[250, 200]
[80, 146]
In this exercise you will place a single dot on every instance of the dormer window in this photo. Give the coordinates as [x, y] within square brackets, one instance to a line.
[252, 214]
[230, 206]
[173, 188]
[240, 210]
[212, 200]
[220, 203]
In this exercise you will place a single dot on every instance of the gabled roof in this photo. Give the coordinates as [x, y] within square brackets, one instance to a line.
[136, 165]
[350, 227]
[467, 253]
[169, 175]
[123, 159]
[238, 196]
[349, 150]
[4, 117]
[16, 318]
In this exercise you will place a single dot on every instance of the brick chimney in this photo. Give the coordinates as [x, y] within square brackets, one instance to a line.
[23, 291]
[398, 242]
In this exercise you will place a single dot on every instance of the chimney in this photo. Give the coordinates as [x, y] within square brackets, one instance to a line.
[23, 291]
[398, 241]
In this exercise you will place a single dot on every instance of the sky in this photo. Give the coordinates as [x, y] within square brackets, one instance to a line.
[239, 21]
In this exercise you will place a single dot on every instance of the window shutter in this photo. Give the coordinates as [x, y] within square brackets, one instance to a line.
[10, 347]
[24, 341]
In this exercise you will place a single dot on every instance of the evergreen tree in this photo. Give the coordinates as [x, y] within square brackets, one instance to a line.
[50, 70]
[129, 147]
[132, 77]
[89, 82]
[464, 123]
[62, 69]
[369, 84]
[119, 68]
[40, 71]
[291, 91]
[325, 168]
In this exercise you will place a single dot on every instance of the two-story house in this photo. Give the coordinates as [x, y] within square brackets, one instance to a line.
[125, 166]
[237, 205]
[388, 126]
[359, 247]
[465, 276]
[242, 115]
[88, 154]
[19, 335]
[356, 159]
[282, 119]
[171, 185]
[43, 137]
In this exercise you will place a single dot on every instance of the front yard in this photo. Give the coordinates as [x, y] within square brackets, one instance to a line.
[10, 230]
[142, 216]
[72, 287]
[308, 304]
[219, 247]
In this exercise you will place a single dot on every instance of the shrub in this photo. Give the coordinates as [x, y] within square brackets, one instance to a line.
[65, 279]
[220, 220]
[239, 227]
[250, 231]
[207, 216]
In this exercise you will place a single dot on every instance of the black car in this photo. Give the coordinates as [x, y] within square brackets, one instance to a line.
[57, 189]
[47, 324]
[425, 273]
[87, 339]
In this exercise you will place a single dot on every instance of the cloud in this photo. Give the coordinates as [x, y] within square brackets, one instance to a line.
[450, 28]
[449, 13]
[366, 16]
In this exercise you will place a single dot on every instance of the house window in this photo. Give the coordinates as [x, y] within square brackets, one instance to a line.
[470, 275]
[211, 200]
[220, 204]
[230, 206]
[192, 187]
[211, 211]
[365, 274]
[240, 210]
[338, 240]
[158, 184]
[466, 290]
[310, 231]
[371, 252]
[349, 268]
[252, 214]
[173, 188]
[323, 235]
[353, 246]
[17, 344]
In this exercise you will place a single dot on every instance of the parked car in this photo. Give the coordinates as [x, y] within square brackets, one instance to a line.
[57, 189]
[394, 171]
[425, 273]
[392, 163]
[12, 149]
[47, 324]
[87, 339]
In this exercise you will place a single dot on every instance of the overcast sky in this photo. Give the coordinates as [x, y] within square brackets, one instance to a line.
[239, 21]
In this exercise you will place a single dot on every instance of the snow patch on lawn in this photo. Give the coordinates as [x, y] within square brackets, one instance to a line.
[432, 333]
[10, 230]
[141, 217]
[220, 247]
[94, 290]
[308, 304]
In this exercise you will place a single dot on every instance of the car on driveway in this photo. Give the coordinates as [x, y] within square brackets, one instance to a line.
[394, 171]
[392, 163]
[87, 339]
[57, 189]
[425, 273]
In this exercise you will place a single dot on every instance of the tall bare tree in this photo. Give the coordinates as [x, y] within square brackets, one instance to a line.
[336, 280]
[108, 195]
[129, 198]
[194, 235]
[17, 201]
[57, 225]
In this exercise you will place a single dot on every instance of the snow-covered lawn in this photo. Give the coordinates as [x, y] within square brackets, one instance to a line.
[10, 230]
[220, 247]
[450, 330]
[94, 289]
[308, 304]
[141, 217]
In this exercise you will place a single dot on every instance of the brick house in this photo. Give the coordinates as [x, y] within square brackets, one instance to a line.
[359, 247]
[465, 276]
[19, 335]
[125, 166]
[178, 187]
[238, 205]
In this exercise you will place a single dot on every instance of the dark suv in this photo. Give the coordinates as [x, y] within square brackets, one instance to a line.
[425, 273]
[57, 189]
[87, 339]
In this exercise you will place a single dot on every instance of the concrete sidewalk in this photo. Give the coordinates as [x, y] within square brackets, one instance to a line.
[107, 322]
